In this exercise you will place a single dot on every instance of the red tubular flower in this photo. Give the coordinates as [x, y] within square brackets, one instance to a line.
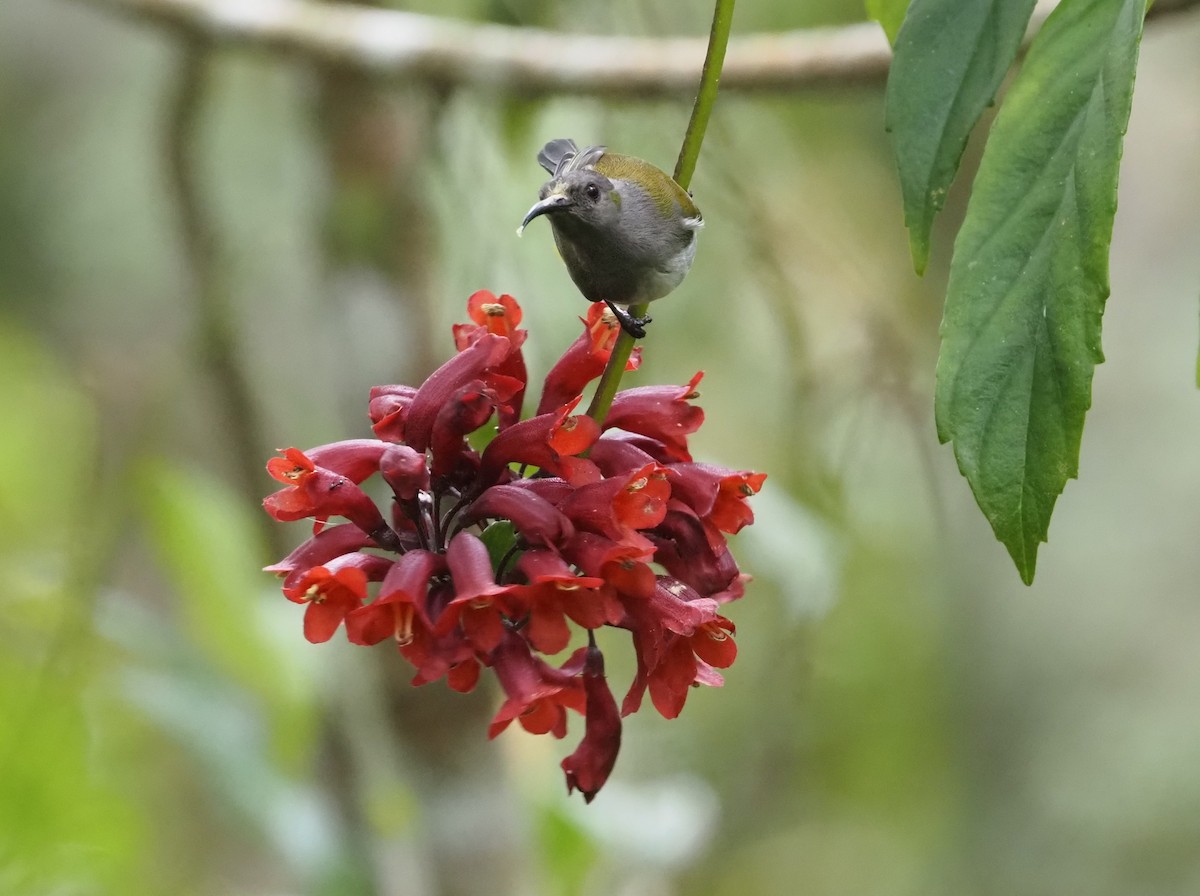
[465, 412]
[623, 566]
[481, 355]
[616, 453]
[592, 762]
[619, 506]
[584, 360]
[538, 694]
[480, 604]
[555, 591]
[490, 313]
[549, 442]
[320, 493]
[717, 495]
[668, 632]
[356, 459]
[538, 521]
[685, 550]
[331, 592]
[388, 410]
[400, 609]
[436, 656]
[660, 412]
[496, 556]
[404, 470]
[326, 545]
[500, 316]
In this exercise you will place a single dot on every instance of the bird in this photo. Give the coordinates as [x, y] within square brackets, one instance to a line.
[624, 228]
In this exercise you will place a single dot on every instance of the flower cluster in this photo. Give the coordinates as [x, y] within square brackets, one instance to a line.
[487, 548]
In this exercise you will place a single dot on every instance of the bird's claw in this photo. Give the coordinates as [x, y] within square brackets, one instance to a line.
[634, 326]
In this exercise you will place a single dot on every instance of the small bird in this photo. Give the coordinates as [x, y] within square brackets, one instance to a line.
[625, 229]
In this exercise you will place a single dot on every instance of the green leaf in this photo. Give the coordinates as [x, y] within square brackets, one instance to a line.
[501, 539]
[951, 56]
[1021, 332]
[889, 14]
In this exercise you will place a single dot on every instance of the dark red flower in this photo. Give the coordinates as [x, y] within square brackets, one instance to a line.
[538, 695]
[536, 519]
[660, 412]
[481, 356]
[592, 762]
[400, 609]
[686, 550]
[388, 409]
[479, 605]
[501, 538]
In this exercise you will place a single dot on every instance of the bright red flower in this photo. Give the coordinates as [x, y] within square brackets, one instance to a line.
[330, 595]
[584, 360]
[549, 442]
[619, 506]
[498, 315]
[314, 491]
[493, 314]
[555, 591]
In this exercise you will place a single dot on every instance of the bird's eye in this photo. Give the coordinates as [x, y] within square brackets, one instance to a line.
[592, 192]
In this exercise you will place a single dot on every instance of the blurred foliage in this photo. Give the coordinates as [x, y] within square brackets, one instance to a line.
[904, 716]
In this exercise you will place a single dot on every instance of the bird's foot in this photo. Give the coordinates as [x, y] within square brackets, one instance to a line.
[634, 326]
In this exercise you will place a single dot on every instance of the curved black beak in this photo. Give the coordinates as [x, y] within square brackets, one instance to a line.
[543, 206]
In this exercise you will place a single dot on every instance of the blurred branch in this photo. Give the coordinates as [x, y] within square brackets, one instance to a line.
[403, 45]
[408, 46]
[217, 337]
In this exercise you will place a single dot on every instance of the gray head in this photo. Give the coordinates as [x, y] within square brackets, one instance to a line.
[577, 201]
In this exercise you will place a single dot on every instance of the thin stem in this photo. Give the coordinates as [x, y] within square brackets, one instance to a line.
[449, 523]
[710, 78]
[685, 167]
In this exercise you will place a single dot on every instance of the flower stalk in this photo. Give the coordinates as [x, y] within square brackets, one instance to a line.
[685, 167]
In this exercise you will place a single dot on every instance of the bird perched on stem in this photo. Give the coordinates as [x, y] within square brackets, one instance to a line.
[625, 229]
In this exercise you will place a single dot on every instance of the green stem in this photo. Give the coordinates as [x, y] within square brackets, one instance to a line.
[710, 77]
[685, 167]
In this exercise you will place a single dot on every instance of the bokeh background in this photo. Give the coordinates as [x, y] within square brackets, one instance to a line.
[208, 253]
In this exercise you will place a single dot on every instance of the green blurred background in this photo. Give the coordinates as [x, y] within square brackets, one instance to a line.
[209, 253]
